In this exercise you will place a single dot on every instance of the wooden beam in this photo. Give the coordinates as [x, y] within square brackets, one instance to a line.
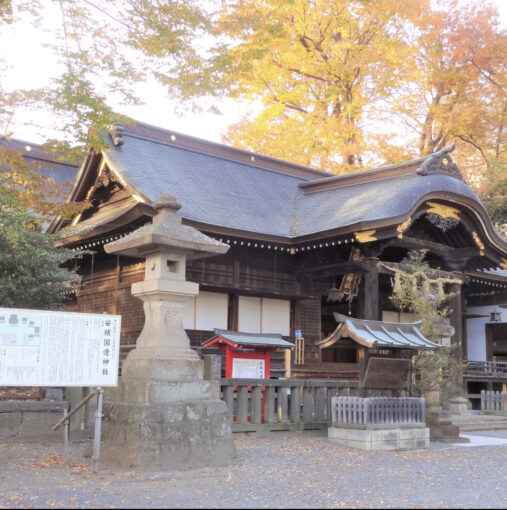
[336, 268]
[371, 290]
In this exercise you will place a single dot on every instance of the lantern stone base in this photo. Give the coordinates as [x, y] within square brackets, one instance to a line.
[156, 425]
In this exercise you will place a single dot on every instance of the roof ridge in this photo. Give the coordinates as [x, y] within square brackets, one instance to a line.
[374, 174]
[172, 138]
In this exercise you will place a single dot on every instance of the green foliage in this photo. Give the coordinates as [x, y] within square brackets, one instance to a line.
[31, 267]
[32, 274]
[420, 289]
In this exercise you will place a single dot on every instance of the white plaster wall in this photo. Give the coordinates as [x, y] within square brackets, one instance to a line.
[264, 315]
[208, 310]
[392, 316]
[211, 310]
[249, 320]
[476, 331]
[276, 316]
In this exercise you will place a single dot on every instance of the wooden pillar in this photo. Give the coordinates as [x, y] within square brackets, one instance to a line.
[362, 358]
[233, 322]
[456, 320]
[371, 309]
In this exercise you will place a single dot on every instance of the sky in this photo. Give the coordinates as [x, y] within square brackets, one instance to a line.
[32, 65]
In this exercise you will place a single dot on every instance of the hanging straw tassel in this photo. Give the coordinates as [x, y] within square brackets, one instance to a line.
[426, 287]
[397, 283]
[414, 285]
[440, 293]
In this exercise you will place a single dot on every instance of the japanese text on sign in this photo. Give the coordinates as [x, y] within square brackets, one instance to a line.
[40, 348]
[248, 368]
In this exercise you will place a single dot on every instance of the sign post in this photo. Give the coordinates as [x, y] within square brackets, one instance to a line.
[46, 348]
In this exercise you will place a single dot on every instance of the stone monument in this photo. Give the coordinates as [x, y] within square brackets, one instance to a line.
[163, 415]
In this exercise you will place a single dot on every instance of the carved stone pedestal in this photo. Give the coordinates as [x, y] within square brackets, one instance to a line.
[441, 428]
[160, 425]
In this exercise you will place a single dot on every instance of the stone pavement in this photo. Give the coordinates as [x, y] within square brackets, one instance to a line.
[276, 472]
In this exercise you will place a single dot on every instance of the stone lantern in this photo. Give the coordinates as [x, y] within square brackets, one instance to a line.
[163, 415]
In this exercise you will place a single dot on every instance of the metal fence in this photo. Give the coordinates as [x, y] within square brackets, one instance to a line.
[378, 411]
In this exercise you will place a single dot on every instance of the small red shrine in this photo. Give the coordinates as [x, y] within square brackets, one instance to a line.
[247, 355]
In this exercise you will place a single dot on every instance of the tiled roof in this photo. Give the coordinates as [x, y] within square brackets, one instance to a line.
[61, 171]
[246, 196]
[253, 339]
[379, 334]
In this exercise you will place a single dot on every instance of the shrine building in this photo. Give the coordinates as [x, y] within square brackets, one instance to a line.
[304, 245]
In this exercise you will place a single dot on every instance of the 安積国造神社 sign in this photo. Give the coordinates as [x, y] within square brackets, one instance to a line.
[45, 348]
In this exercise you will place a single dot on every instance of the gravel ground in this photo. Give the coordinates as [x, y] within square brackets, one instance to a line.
[280, 472]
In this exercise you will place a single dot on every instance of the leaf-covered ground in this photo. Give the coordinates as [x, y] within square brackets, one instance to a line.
[281, 472]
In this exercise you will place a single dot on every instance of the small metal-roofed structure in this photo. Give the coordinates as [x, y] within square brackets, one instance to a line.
[247, 355]
[237, 339]
[383, 350]
[378, 334]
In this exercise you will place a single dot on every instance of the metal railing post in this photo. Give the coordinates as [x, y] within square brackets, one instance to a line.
[66, 438]
[98, 430]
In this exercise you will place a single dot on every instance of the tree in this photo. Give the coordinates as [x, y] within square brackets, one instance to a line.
[345, 84]
[32, 272]
[322, 69]
[421, 290]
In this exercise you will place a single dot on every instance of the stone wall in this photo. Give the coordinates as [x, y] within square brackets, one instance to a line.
[31, 422]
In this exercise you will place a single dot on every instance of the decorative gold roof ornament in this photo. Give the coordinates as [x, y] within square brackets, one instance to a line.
[365, 237]
[444, 211]
[503, 264]
[478, 242]
[403, 226]
[442, 216]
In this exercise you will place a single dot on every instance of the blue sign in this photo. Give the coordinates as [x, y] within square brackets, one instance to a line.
[298, 333]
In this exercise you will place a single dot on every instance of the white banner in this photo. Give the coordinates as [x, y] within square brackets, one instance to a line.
[43, 348]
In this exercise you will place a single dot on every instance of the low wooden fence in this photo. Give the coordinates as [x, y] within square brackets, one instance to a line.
[493, 401]
[269, 405]
[375, 411]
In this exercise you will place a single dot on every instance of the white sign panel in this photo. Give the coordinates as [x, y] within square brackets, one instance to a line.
[41, 348]
[248, 368]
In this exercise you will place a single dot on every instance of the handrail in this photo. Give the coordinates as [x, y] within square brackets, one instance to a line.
[79, 406]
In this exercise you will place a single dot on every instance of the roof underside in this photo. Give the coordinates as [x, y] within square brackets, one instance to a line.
[378, 334]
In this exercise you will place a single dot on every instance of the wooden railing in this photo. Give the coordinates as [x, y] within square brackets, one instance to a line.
[488, 369]
[268, 405]
[378, 411]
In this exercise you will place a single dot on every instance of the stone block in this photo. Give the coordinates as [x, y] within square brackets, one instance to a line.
[380, 439]
[189, 435]
[142, 391]
[10, 424]
[385, 445]
[390, 435]
[458, 405]
[337, 433]
[212, 367]
[163, 369]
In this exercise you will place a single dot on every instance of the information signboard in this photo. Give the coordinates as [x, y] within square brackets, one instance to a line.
[246, 368]
[45, 348]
